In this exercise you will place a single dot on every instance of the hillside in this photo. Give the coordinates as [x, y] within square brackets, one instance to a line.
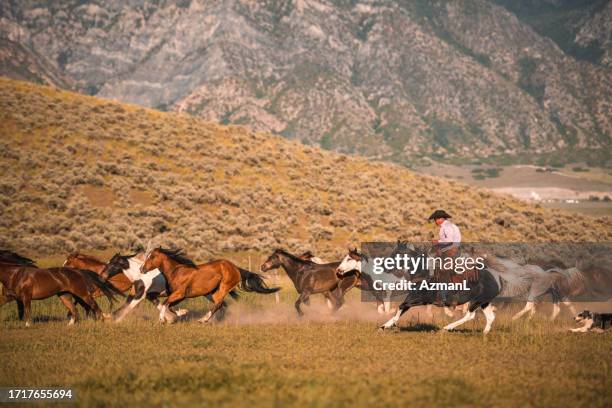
[390, 80]
[83, 173]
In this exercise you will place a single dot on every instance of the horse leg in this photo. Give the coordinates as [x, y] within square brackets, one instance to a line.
[343, 287]
[174, 298]
[178, 312]
[303, 297]
[466, 318]
[218, 302]
[20, 310]
[556, 310]
[170, 314]
[70, 304]
[570, 306]
[331, 302]
[27, 310]
[403, 308]
[97, 312]
[220, 315]
[387, 302]
[528, 306]
[84, 305]
[489, 315]
[532, 311]
[336, 298]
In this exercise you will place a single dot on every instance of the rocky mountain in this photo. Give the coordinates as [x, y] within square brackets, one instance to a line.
[389, 79]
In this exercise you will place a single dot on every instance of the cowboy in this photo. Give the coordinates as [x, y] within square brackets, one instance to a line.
[447, 246]
[449, 237]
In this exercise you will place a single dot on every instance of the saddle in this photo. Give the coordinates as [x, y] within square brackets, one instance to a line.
[449, 275]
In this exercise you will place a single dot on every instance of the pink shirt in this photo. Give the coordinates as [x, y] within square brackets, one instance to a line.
[449, 232]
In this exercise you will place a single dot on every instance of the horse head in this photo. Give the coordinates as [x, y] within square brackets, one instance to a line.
[274, 261]
[352, 261]
[117, 264]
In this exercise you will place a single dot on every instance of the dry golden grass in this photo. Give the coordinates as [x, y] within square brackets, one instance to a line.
[264, 356]
[81, 173]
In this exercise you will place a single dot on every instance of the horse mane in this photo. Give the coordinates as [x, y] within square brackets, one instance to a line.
[177, 255]
[127, 257]
[308, 254]
[14, 258]
[290, 255]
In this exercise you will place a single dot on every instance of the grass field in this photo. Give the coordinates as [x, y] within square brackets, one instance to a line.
[264, 355]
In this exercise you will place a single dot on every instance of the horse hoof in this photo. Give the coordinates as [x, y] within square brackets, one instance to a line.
[181, 312]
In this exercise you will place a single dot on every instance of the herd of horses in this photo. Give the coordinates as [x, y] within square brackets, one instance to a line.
[166, 277]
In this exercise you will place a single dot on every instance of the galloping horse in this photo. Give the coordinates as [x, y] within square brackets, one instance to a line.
[311, 278]
[148, 285]
[24, 283]
[187, 280]
[480, 293]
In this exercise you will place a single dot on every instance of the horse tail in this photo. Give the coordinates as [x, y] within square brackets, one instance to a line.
[253, 282]
[94, 281]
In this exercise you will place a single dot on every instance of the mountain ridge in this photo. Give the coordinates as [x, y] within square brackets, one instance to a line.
[389, 80]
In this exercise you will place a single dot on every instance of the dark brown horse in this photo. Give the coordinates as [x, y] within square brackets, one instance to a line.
[24, 283]
[82, 261]
[187, 280]
[310, 278]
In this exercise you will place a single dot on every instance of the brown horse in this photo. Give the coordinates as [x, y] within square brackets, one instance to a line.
[310, 278]
[24, 283]
[82, 261]
[187, 280]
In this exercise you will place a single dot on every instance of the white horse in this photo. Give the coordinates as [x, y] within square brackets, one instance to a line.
[558, 282]
[148, 285]
[531, 281]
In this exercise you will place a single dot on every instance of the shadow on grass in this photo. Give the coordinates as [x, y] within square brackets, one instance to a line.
[48, 319]
[420, 327]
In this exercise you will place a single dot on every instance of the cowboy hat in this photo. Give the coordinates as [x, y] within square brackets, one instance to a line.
[439, 214]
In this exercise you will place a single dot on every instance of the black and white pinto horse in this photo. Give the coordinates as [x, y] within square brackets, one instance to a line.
[481, 293]
[150, 285]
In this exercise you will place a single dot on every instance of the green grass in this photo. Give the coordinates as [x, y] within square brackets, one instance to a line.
[311, 362]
